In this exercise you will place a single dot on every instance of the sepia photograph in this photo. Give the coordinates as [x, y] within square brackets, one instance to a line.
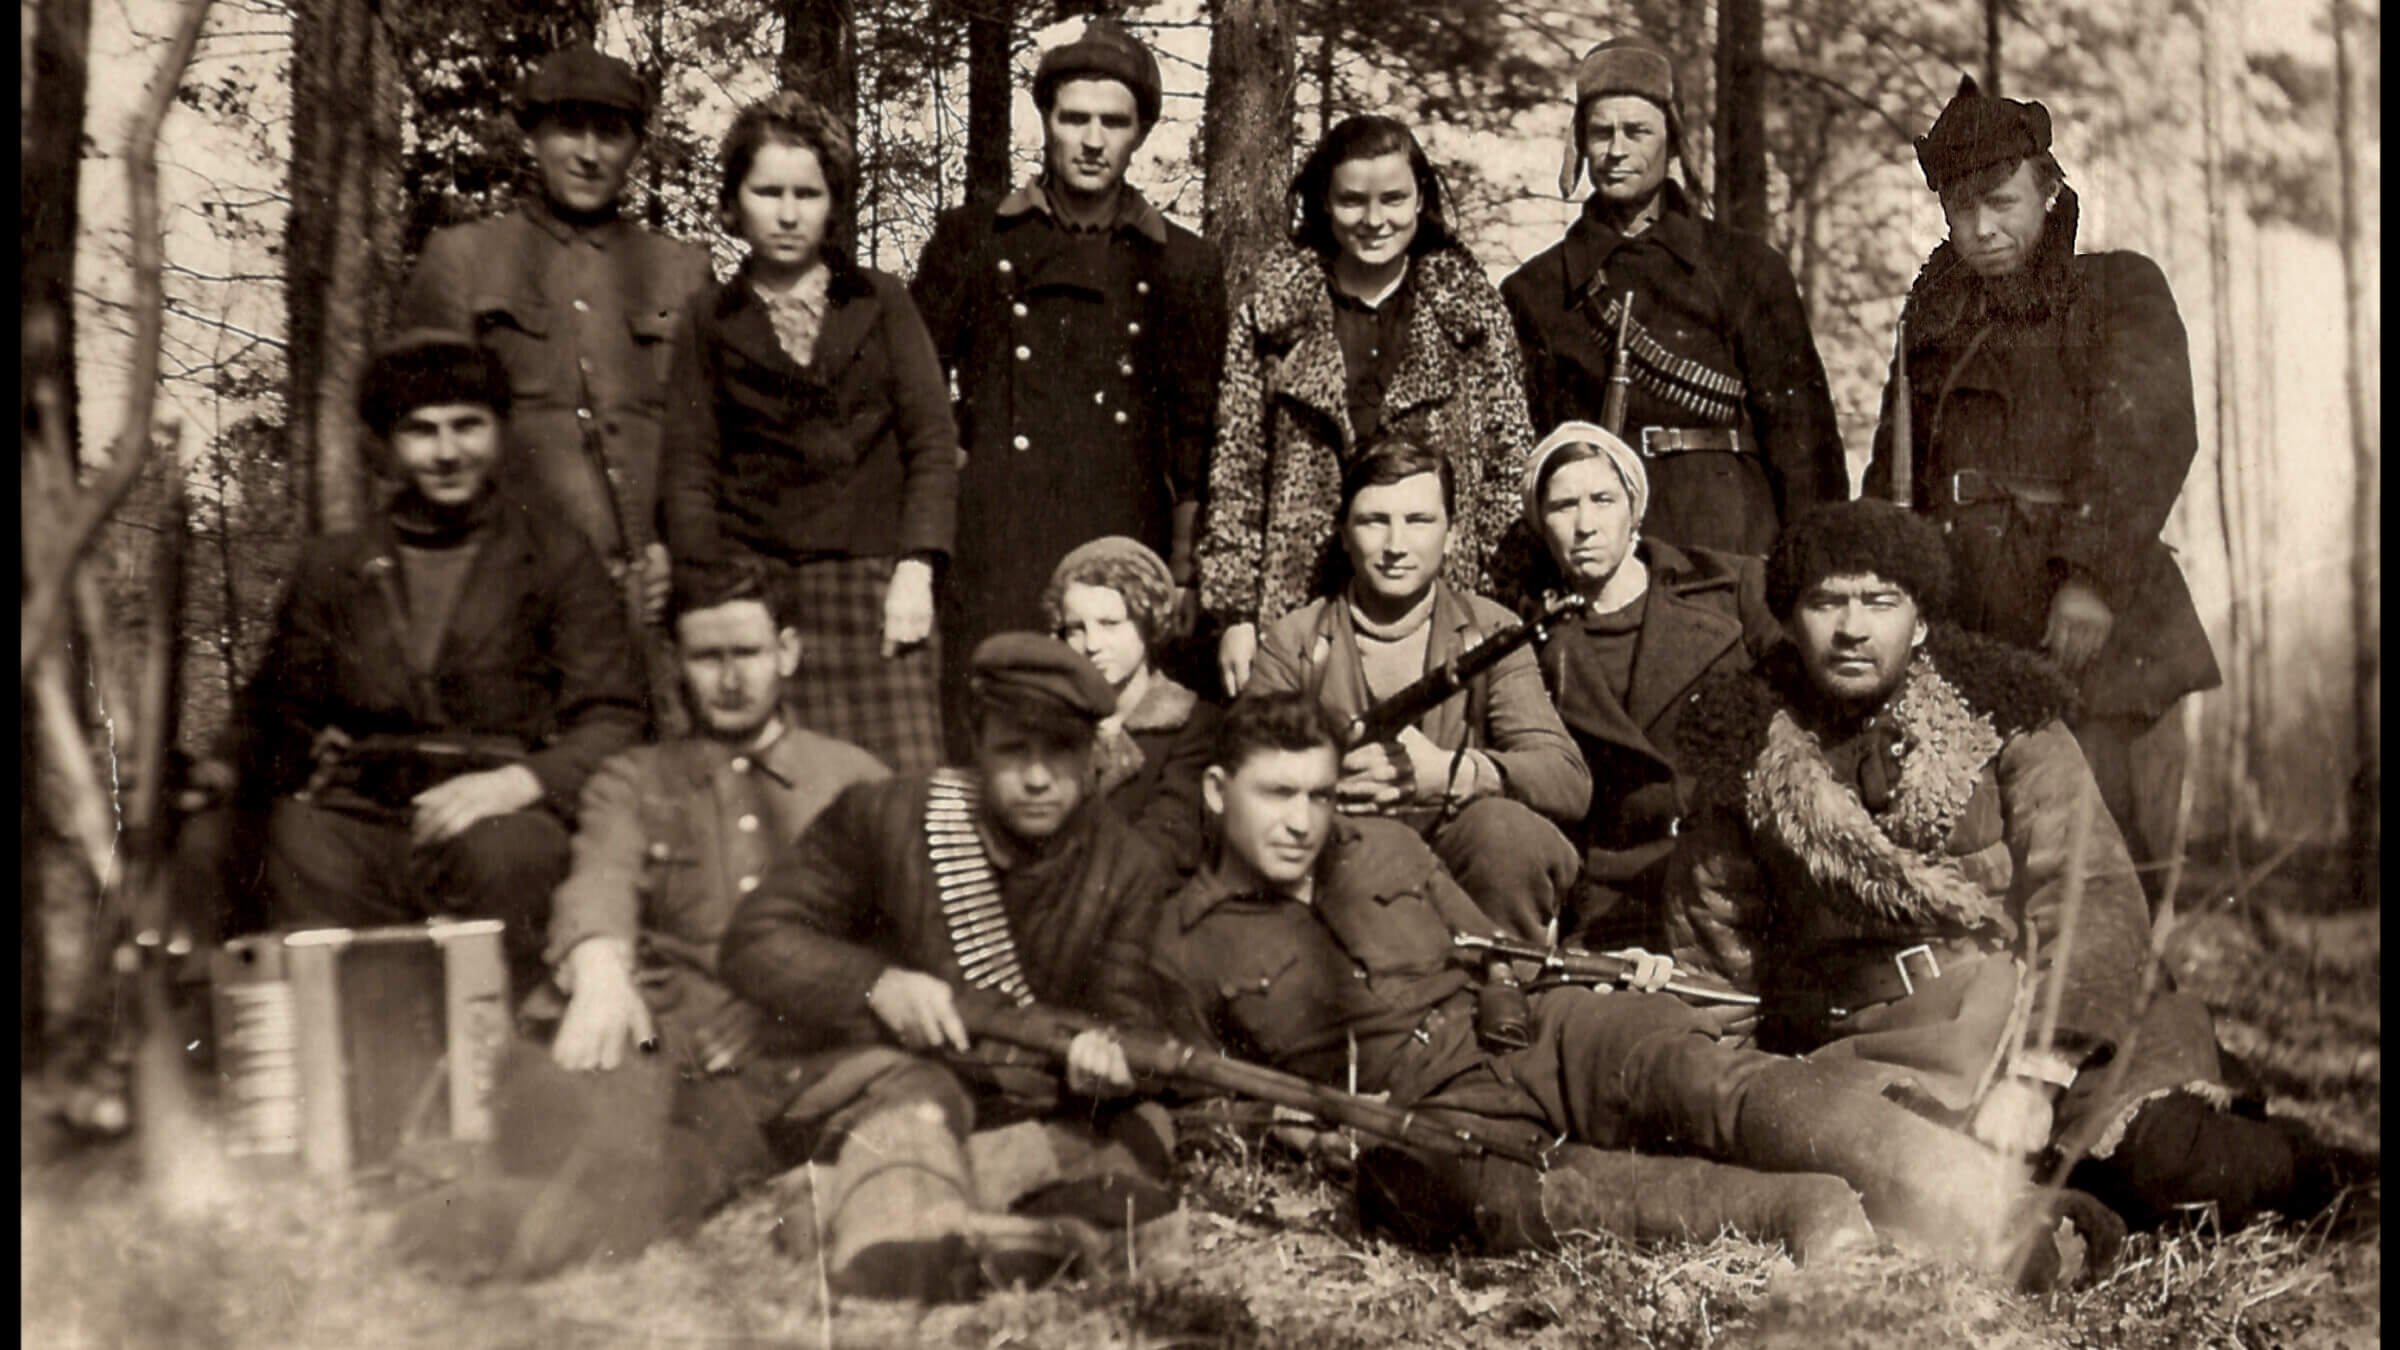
[1171, 674]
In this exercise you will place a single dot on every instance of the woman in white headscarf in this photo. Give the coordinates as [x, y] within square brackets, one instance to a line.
[1661, 618]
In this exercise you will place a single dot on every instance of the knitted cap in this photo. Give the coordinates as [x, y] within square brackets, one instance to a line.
[1854, 538]
[1125, 565]
[1629, 465]
[1105, 51]
[1977, 131]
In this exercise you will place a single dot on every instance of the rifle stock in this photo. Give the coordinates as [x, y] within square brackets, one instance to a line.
[1388, 718]
[1155, 1054]
[1567, 966]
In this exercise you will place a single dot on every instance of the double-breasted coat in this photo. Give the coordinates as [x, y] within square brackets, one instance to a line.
[1722, 342]
[2051, 427]
[1284, 433]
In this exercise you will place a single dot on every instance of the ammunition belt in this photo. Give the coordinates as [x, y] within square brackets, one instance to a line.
[969, 891]
[1709, 394]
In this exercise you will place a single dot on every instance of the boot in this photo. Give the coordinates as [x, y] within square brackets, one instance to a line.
[896, 1220]
[2180, 1151]
[1503, 1207]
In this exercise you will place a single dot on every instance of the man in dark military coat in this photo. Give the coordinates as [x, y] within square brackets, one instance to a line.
[2049, 422]
[1727, 399]
[1084, 330]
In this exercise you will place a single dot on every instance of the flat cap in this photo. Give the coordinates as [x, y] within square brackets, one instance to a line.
[1104, 51]
[423, 367]
[1977, 131]
[581, 73]
[1028, 669]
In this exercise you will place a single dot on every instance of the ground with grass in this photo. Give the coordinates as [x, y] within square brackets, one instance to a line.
[1272, 1257]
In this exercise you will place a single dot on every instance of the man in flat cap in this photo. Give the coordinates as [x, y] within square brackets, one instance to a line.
[580, 303]
[1894, 843]
[1727, 398]
[441, 680]
[1084, 330]
[2048, 401]
[903, 901]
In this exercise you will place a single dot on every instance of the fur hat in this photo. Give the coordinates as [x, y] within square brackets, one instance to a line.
[423, 367]
[1629, 65]
[1850, 538]
[1977, 131]
[582, 74]
[1104, 51]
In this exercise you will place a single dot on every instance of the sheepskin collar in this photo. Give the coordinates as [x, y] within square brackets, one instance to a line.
[1947, 296]
[1756, 744]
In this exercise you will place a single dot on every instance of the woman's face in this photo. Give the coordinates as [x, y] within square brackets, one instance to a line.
[783, 207]
[1373, 206]
[1093, 621]
[1587, 517]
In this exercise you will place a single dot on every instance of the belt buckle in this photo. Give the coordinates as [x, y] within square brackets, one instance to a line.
[1959, 482]
[1900, 963]
[1647, 432]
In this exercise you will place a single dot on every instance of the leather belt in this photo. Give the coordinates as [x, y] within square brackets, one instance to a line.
[1974, 487]
[1657, 441]
[1842, 982]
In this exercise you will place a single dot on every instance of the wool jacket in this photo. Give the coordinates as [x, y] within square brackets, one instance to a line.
[671, 836]
[1993, 834]
[585, 320]
[1504, 712]
[1284, 434]
[537, 652]
[1710, 294]
[2072, 376]
[853, 456]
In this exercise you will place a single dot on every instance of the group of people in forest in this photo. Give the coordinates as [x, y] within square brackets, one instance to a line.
[802, 662]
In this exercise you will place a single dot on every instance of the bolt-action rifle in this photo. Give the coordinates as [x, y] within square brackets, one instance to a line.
[1568, 966]
[1388, 718]
[1154, 1054]
[1620, 372]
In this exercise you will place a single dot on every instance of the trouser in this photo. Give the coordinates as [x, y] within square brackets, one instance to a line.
[334, 868]
[2107, 744]
[1514, 863]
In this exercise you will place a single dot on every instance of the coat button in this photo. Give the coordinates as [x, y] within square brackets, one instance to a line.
[1099, 396]
[582, 308]
[1134, 328]
[1120, 417]
[1024, 353]
[747, 824]
[1007, 266]
[658, 849]
[1019, 309]
[1125, 368]
[740, 764]
[1022, 443]
[584, 413]
[746, 885]
[1141, 288]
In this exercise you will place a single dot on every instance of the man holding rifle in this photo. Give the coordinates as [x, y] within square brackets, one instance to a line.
[905, 905]
[1322, 944]
[1485, 773]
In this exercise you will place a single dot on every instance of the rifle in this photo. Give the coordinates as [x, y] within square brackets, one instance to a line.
[1567, 966]
[1387, 718]
[1158, 1055]
[1904, 441]
[1620, 375]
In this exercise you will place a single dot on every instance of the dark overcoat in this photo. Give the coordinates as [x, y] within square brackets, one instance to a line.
[1705, 293]
[2063, 401]
[538, 651]
[1086, 371]
[1705, 612]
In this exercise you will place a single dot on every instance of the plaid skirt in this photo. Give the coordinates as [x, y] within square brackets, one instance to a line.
[844, 687]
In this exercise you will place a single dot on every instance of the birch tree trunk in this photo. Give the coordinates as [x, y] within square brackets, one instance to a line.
[2355, 114]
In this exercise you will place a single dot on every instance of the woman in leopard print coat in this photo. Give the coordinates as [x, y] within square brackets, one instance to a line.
[1372, 324]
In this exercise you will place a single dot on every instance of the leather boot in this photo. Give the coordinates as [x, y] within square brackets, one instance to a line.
[2180, 1152]
[897, 1218]
[1502, 1207]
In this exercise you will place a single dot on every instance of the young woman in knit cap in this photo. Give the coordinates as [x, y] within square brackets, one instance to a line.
[1372, 323]
[809, 424]
[1113, 600]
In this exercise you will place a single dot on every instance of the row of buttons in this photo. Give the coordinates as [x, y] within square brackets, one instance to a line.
[1139, 287]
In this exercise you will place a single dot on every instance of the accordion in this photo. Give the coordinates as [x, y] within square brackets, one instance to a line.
[339, 1047]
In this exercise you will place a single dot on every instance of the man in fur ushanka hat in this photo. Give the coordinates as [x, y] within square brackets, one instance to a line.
[1897, 844]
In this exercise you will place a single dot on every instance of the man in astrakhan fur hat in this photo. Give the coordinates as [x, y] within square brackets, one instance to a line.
[1898, 847]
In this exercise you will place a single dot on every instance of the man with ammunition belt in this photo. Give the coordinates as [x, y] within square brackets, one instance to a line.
[1325, 945]
[580, 303]
[1010, 880]
[1726, 396]
[2041, 411]
[440, 682]
[1489, 774]
[1896, 844]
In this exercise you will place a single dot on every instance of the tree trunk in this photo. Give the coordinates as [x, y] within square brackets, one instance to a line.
[49, 173]
[342, 241]
[1328, 99]
[1246, 132]
[2354, 114]
[820, 59]
[991, 87]
[1991, 47]
[1741, 115]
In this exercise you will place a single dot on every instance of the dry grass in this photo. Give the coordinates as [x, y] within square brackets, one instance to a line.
[1275, 1259]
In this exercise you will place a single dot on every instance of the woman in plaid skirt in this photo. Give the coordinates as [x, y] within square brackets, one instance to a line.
[808, 423]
